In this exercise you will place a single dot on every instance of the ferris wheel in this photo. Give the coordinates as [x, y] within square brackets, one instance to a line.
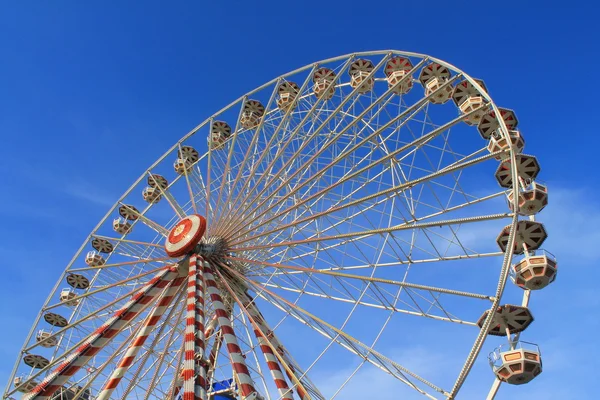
[325, 221]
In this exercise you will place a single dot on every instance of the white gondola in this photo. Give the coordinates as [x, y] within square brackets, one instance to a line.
[517, 364]
[151, 194]
[507, 319]
[251, 114]
[94, 259]
[527, 170]
[534, 272]
[23, 385]
[121, 225]
[324, 85]
[500, 142]
[434, 78]
[67, 295]
[359, 75]
[219, 133]
[396, 71]
[531, 199]
[45, 339]
[529, 236]
[489, 123]
[288, 91]
[468, 98]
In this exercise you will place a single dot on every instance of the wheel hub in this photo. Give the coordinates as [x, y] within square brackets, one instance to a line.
[184, 236]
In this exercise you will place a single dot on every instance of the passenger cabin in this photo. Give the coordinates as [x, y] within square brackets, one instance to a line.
[534, 272]
[121, 226]
[529, 236]
[324, 83]
[94, 259]
[499, 142]
[527, 167]
[251, 114]
[288, 91]
[397, 72]
[151, 194]
[507, 319]
[517, 365]
[434, 77]
[468, 98]
[45, 338]
[489, 123]
[359, 75]
[531, 200]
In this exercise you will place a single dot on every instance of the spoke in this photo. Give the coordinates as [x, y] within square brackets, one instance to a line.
[194, 370]
[245, 383]
[146, 221]
[379, 231]
[209, 210]
[187, 181]
[269, 168]
[364, 278]
[121, 240]
[389, 307]
[345, 340]
[168, 342]
[101, 337]
[303, 168]
[225, 172]
[269, 350]
[394, 190]
[121, 264]
[102, 289]
[163, 302]
[169, 197]
[255, 137]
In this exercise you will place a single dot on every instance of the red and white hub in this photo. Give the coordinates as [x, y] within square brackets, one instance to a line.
[184, 236]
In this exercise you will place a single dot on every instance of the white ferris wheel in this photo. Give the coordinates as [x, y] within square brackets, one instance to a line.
[338, 211]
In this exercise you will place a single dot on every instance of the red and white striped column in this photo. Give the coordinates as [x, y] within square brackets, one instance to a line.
[246, 385]
[270, 335]
[200, 339]
[151, 320]
[260, 331]
[209, 330]
[102, 336]
[192, 390]
[212, 358]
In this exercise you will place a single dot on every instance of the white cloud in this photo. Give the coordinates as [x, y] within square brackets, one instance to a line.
[83, 190]
[371, 382]
[572, 219]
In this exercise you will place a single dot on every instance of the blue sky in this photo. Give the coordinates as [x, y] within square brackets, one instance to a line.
[92, 95]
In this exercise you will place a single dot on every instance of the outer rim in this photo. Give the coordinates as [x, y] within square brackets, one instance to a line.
[479, 341]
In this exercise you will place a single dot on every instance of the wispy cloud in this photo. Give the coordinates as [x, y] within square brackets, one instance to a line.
[572, 219]
[83, 190]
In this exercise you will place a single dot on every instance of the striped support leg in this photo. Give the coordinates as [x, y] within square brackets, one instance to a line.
[189, 359]
[212, 358]
[246, 385]
[272, 362]
[200, 339]
[209, 331]
[102, 336]
[151, 320]
[270, 335]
